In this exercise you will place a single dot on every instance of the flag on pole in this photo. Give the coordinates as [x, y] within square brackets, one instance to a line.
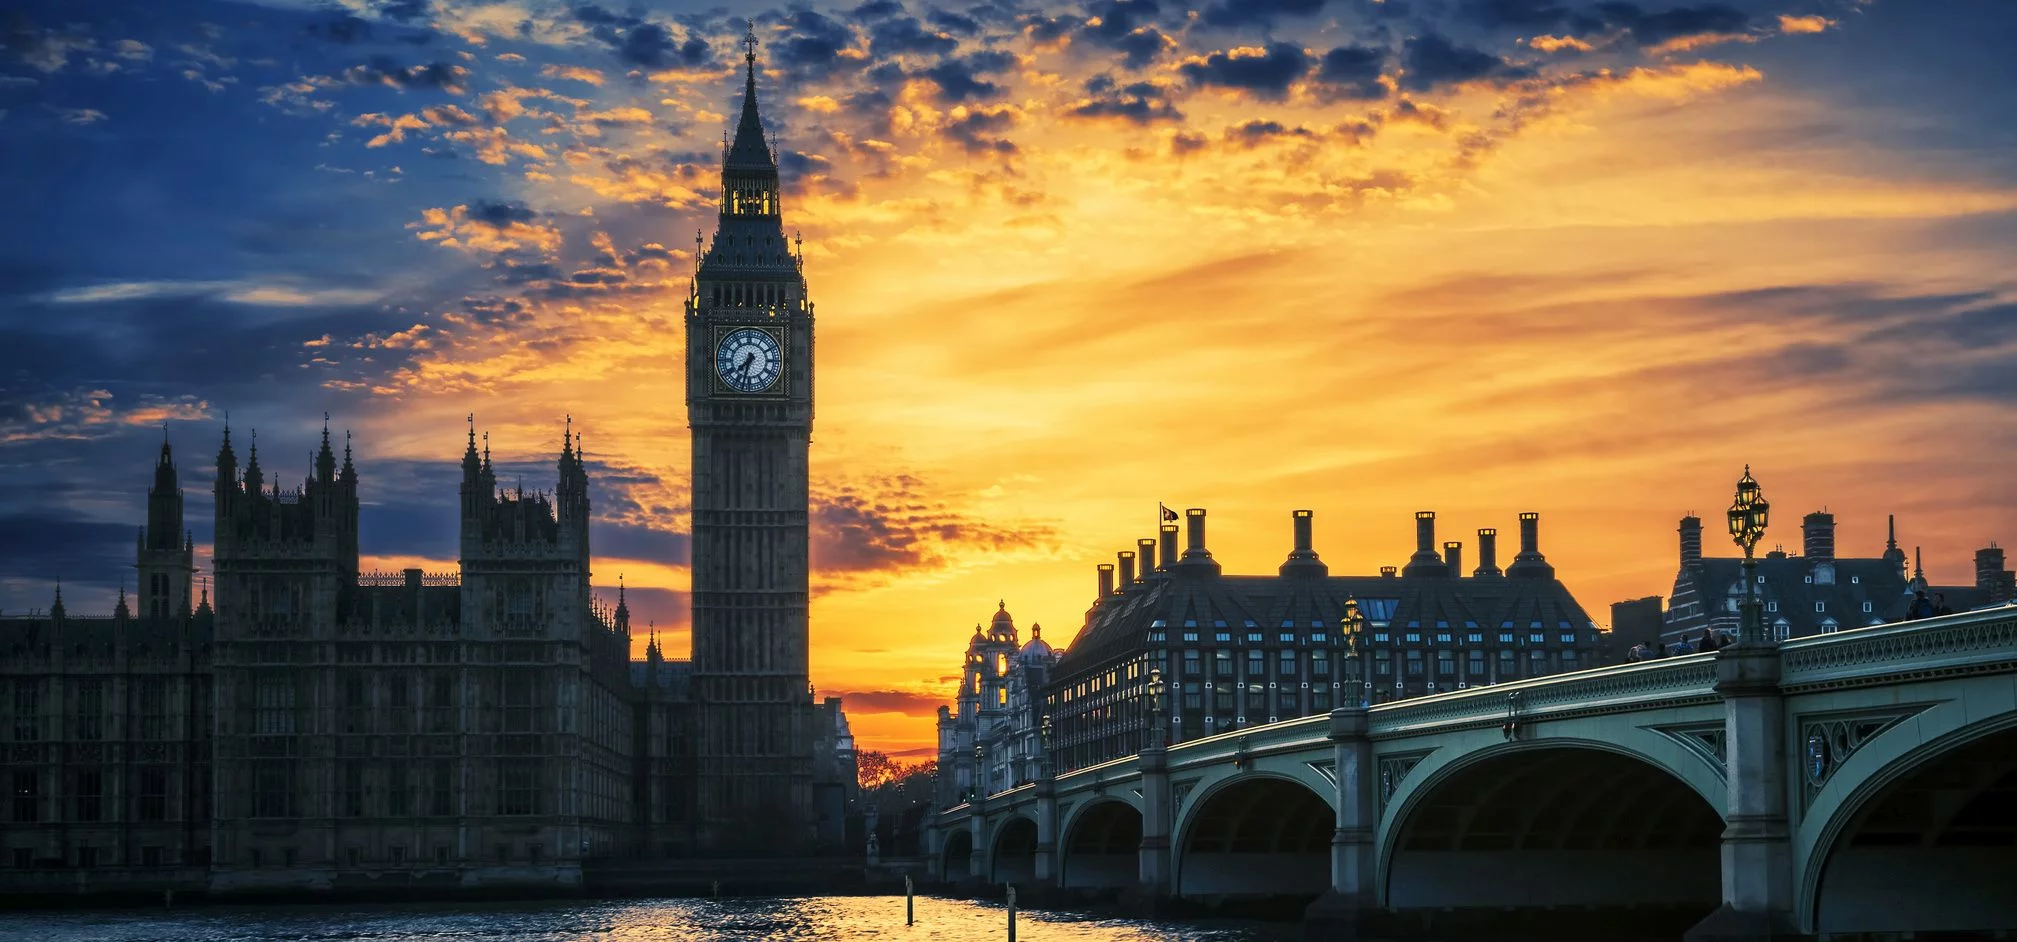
[1168, 514]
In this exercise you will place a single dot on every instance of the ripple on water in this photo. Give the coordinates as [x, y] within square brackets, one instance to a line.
[830, 919]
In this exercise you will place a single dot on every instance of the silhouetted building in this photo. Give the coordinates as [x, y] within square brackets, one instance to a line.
[1634, 623]
[1817, 591]
[1237, 651]
[1000, 710]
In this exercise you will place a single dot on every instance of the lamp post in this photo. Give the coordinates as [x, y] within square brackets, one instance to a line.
[1353, 626]
[1155, 692]
[1044, 730]
[1748, 516]
[980, 770]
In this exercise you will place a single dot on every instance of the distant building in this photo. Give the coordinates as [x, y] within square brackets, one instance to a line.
[1000, 710]
[1238, 651]
[322, 727]
[1817, 591]
[1634, 623]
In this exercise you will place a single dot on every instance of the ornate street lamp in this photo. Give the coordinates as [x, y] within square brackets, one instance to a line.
[1044, 731]
[980, 770]
[1748, 516]
[1155, 692]
[1353, 626]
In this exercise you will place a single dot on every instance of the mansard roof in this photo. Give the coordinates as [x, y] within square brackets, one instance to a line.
[1119, 625]
[1795, 583]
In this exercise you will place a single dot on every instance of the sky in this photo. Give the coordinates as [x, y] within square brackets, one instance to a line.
[1481, 257]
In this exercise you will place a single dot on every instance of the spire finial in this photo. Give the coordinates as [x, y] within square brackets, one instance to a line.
[325, 428]
[1891, 523]
[749, 44]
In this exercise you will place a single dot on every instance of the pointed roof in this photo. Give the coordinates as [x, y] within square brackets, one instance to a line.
[749, 151]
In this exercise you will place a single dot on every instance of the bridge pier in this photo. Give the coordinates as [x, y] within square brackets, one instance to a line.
[1757, 858]
[1152, 889]
[1341, 912]
[981, 870]
[1047, 831]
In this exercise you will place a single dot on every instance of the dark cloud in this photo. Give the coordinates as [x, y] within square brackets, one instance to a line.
[344, 29]
[382, 70]
[876, 9]
[955, 23]
[812, 46]
[1653, 29]
[1125, 26]
[1431, 61]
[1265, 76]
[640, 42]
[904, 35]
[979, 131]
[49, 545]
[883, 526]
[1049, 29]
[1257, 131]
[959, 79]
[1644, 28]
[1258, 12]
[405, 10]
[1136, 102]
[1353, 72]
[500, 214]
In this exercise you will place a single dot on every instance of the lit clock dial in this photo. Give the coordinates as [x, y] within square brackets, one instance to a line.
[748, 360]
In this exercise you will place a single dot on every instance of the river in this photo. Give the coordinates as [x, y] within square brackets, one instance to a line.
[840, 919]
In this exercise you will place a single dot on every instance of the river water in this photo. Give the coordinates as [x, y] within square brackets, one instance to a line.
[842, 919]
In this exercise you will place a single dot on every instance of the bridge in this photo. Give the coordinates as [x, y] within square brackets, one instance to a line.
[1862, 781]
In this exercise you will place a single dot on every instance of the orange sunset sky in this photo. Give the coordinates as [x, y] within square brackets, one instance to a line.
[1364, 258]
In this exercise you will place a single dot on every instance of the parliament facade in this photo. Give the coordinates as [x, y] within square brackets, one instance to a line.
[312, 726]
[1235, 651]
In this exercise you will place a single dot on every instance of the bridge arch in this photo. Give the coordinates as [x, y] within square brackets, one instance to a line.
[1101, 848]
[956, 857]
[1012, 854]
[1555, 822]
[1260, 834]
[1922, 822]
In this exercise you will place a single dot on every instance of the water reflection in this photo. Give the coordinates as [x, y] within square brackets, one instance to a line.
[841, 919]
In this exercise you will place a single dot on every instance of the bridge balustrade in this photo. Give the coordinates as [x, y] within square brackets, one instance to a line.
[1861, 781]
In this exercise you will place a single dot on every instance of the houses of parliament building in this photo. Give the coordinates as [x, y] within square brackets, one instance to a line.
[295, 723]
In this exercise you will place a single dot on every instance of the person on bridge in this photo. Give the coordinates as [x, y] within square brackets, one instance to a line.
[1921, 606]
[1940, 606]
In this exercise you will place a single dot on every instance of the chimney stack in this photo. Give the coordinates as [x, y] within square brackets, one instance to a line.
[1817, 537]
[1303, 559]
[1425, 562]
[1195, 555]
[1106, 579]
[1145, 557]
[1453, 557]
[1530, 564]
[1691, 539]
[1126, 569]
[1168, 559]
[1488, 553]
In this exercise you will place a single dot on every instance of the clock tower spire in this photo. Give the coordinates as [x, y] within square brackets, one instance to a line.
[749, 376]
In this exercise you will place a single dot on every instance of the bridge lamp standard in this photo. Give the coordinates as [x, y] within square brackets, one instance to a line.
[1748, 516]
[1044, 731]
[1155, 692]
[1353, 625]
[980, 770]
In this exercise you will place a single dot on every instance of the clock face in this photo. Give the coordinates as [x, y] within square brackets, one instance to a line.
[748, 360]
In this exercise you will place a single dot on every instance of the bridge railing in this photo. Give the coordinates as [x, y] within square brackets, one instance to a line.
[1670, 680]
[1985, 639]
[1293, 734]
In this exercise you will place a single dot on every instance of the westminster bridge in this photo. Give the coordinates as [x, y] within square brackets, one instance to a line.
[1863, 781]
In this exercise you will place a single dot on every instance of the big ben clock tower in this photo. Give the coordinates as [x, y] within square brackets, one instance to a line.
[749, 403]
